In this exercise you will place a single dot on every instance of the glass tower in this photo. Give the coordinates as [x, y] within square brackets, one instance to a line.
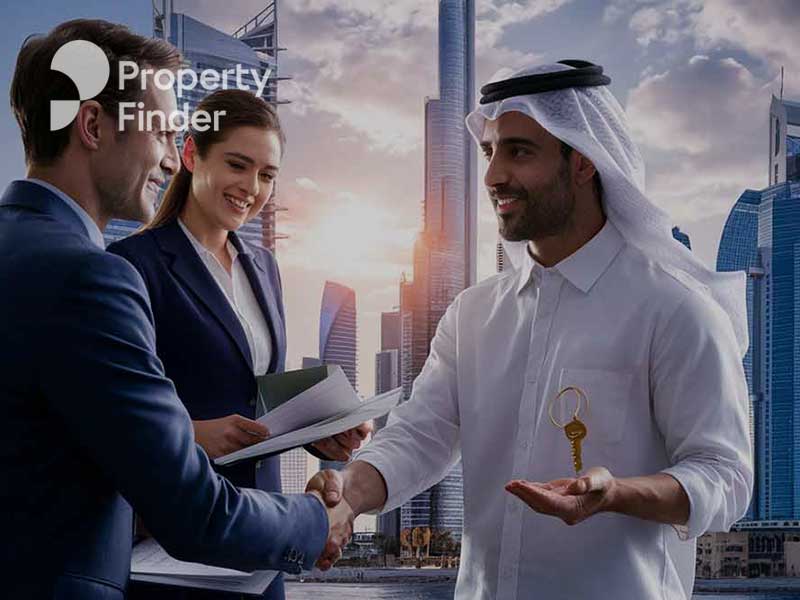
[738, 251]
[338, 336]
[445, 249]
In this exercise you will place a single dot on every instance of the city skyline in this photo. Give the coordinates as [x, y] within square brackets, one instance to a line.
[353, 173]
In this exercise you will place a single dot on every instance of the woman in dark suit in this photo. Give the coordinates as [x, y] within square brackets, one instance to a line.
[216, 298]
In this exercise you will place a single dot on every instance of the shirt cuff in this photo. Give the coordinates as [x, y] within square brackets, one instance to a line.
[691, 484]
[384, 467]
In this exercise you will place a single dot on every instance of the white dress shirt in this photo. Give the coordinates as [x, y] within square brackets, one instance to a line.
[667, 393]
[237, 290]
[91, 227]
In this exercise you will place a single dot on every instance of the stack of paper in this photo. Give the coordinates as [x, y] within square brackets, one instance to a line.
[308, 405]
[151, 563]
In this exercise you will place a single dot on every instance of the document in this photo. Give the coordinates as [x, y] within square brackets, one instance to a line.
[151, 563]
[307, 405]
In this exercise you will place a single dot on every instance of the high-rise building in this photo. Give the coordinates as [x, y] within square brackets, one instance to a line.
[338, 341]
[445, 250]
[252, 46]
[294, 471]
[387, 377]
[738, 251]
[390, 330]
[784, 141]
[762, 237]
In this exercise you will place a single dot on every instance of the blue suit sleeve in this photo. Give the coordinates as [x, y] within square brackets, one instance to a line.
[107, 385]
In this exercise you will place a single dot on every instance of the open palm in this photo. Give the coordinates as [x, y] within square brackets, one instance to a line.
[571, 499]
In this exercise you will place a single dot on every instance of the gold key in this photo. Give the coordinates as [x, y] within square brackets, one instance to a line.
[575, 431]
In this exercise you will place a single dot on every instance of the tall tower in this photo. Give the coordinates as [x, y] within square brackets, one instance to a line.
[337, 329]
[338, 341]
[762, 237]
[738, 251]
[446, 248]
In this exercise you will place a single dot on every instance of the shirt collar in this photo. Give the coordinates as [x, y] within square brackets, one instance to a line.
[202, 250]
[584, 266]
[91, 227]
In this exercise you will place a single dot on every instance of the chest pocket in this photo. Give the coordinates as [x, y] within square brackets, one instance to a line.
[608, 394]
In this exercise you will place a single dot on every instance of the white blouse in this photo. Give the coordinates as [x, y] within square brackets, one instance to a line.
[237, 290]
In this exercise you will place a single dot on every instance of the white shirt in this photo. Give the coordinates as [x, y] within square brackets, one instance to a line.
[91, 227]
[667, 393]
[237, 290]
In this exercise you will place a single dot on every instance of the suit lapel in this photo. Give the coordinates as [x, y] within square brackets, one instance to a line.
[266, 295]
[189, 268]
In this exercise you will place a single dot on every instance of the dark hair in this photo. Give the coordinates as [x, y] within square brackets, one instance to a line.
[566, 151]
[34, 84]
[242, 109]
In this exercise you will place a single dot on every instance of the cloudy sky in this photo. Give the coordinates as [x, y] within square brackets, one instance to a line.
[695, 78]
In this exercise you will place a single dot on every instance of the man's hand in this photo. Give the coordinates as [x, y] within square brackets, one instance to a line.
[219, 437]
[572, 500]
[328, 487]
[341, 446]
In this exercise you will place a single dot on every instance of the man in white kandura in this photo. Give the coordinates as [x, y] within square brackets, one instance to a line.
[604, 300]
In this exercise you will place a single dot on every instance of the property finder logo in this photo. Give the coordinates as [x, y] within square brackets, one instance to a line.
[87, 66]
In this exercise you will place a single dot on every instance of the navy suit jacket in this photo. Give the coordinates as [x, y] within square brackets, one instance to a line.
[92, 427]
[198, 336]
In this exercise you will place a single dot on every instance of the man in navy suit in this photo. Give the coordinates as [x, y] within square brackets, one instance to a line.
[93, 428]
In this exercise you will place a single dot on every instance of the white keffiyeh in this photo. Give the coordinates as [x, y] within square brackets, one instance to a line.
[591, 120]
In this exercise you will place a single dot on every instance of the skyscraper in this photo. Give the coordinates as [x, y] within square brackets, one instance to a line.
[253, 46]
[338, 341]
[294, 471]
[445, 250]
[387, 377]
[738, 251]
[762, 237]
[337, 329]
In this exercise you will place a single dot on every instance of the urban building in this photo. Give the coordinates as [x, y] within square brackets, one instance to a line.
[761, 237]
[784, 141]
[295, 470]
[338, 341]
[445, 250]
[253, 46]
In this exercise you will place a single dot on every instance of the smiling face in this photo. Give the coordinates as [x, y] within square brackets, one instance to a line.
[528, 180]
[134, 163]
[234, 180]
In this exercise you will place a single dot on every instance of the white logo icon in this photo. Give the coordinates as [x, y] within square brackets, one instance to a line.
[87, 66]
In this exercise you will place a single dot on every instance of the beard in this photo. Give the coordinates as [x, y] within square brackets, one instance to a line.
[543, 212]
[120, 201]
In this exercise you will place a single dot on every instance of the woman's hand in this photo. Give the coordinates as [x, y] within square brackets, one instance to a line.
[219, 437]
[341, 446]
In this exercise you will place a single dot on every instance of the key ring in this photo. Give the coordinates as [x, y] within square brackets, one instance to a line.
[580, 395]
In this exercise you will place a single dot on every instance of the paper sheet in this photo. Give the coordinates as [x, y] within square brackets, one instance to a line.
[370, 409]
[151, 563]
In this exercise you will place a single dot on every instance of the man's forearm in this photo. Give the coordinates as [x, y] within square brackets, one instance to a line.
[364, 487]
[657, 498]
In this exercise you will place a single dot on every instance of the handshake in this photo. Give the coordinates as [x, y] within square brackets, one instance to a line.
[328, 487]
[356, 489]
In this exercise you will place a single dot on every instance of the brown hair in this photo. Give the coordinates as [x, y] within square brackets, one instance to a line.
[242, 108]
[34, 84]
